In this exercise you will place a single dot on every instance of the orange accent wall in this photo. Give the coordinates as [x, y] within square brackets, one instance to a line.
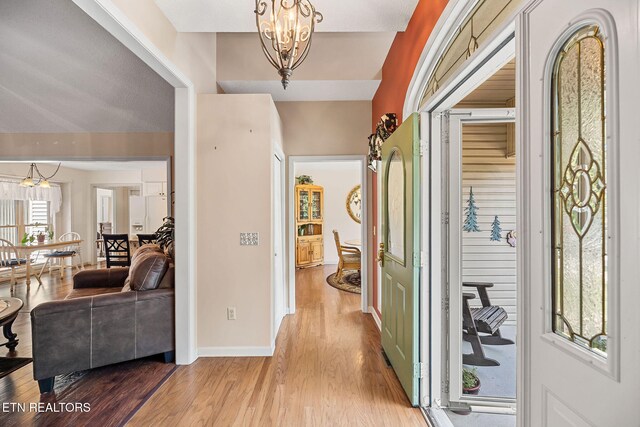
[397, 73]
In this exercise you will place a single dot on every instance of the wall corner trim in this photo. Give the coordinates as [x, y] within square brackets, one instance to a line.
[266, 351]
[375, 317]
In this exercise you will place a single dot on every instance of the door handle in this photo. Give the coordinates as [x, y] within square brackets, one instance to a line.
[381, 255]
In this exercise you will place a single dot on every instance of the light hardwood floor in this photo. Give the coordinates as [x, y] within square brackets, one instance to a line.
[327, 370]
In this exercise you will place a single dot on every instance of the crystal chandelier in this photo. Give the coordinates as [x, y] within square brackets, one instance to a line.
[285, 28]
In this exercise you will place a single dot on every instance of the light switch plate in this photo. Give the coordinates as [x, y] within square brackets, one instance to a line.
[249, 239]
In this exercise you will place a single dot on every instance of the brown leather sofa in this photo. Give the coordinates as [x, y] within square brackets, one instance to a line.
[112, 315]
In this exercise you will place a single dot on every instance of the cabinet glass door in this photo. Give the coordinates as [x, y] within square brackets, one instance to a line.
[316, 205]
[303, 205]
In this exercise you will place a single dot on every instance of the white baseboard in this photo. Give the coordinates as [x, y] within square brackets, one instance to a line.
[331, 261]
[236, 351]
[376, 319]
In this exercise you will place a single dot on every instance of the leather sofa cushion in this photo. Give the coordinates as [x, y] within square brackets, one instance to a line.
[168, 280]
[85, 292]
[144, 249]
[149, 247]
[147, 271]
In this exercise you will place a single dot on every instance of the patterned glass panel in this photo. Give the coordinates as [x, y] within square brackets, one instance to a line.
[304, 205]
[316, 205]
[395, 206]
[580, 192]
[486, 17]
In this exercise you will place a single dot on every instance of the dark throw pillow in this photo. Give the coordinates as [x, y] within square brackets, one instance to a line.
[147, 271]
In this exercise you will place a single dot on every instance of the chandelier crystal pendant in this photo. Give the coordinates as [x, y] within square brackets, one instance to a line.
[286, 28]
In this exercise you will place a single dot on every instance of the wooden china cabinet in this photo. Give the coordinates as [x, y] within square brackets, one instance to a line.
[309, 222]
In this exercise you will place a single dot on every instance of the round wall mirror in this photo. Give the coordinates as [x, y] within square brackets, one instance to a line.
[354, 204]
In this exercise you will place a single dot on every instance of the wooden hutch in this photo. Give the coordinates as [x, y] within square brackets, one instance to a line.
[309, 223]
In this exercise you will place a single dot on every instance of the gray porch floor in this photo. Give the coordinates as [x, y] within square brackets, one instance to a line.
[498, 381]
[479, 419]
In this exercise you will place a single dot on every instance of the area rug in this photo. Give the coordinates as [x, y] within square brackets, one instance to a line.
[10, 364]
[350, 281]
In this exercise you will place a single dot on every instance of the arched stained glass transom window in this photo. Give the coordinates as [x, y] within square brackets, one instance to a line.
[579, 198]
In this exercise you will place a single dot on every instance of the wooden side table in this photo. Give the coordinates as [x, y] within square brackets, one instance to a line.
[9, 309]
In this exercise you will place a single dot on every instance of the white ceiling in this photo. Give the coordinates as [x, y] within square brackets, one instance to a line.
[219, 16]
[307, 90]
[99, 165]
[340, 67]
[114, 166]
[62, 72]
[345, 61]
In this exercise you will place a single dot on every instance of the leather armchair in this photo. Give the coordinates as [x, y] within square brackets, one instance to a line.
[99, 325]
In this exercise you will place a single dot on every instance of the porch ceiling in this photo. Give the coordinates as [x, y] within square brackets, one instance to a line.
[495, 91]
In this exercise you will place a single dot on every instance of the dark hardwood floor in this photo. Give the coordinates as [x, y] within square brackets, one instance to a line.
[113, 393]
[327, 370]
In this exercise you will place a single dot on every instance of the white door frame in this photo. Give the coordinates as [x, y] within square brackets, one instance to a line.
[486, 61]
[93, 226]
[457, 119]
[114, 21]
[279, 257]
[364, 238]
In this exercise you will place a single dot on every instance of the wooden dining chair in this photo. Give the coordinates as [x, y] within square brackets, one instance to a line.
[70, 251]
[116, 250]
[9, 259]
[145, 239]
[349, 258]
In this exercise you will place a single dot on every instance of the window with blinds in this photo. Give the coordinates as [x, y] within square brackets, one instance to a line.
[38, 216]
[18, 217]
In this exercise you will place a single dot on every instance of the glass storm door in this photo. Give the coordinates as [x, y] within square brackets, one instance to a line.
[578, 229]
[399, 252]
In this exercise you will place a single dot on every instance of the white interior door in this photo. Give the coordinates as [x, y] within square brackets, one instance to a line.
[278, 244]
[578, 225]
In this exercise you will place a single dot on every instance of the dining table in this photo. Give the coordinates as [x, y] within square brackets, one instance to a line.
[26, 249]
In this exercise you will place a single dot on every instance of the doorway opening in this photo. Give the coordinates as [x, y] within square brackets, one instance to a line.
[328, 223]
[473, 188]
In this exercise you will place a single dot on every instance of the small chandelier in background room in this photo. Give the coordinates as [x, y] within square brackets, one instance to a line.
[285, 28]
[41, 180]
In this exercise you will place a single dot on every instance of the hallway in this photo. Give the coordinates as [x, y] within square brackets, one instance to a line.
[327, 370]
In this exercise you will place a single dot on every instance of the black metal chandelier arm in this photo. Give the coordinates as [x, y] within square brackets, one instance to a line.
[261, 8]
[46, 178]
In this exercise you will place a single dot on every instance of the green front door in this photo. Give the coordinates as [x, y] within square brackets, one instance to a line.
[400, 252]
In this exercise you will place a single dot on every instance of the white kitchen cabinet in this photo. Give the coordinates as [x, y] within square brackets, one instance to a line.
[156, 212]
[137, 214]
[154, 189]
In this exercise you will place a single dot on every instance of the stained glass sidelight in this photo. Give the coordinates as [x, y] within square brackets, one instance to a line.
[580, 191]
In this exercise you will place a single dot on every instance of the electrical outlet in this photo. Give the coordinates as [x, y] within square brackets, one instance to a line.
[249, 239]
[231, 313]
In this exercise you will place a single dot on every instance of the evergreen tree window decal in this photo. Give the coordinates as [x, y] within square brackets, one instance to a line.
[471, 211]
[496, 230]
